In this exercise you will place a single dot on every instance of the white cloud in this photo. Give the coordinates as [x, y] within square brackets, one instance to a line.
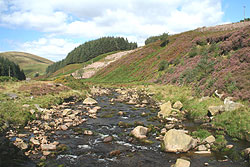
[51, 48]
[136, 19]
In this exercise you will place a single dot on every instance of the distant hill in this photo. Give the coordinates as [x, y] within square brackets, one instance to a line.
[31, 64]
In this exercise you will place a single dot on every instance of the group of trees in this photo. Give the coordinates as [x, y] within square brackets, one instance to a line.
[163, 37]
[9, 68]
[92, 49]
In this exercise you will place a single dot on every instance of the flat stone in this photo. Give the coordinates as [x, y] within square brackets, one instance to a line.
[202, 152]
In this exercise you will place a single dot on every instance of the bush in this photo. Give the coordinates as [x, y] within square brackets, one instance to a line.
[163, 65]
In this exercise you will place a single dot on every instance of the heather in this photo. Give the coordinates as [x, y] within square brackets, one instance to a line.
[215, 63]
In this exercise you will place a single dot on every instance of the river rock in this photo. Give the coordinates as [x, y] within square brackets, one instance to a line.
[230, 105]
[120, 113]
[166, 109]
[46, 153]
[88, 132]
[48, 147]
[63, 127]
[140, 132]
[115, 153]
[34, 141]
[178, 141]
[210, 139]
[202, 148]
[246, 153]
[66, 112]
[229, 146]
[178, 105]
[213, 110]
[89, 101]
[108, 139]
[182, 163]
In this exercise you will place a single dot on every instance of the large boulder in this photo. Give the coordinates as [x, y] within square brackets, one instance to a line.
[182, 163]
[140, 132]
[166, 109]
[89, 101]
[177, 141]
[230, 105]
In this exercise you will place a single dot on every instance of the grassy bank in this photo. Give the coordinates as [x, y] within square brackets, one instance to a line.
[234, 123]
[15, 112]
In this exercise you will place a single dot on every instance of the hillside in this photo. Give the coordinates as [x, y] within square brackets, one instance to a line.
[31, 64]
[92, 49]
[217, 59]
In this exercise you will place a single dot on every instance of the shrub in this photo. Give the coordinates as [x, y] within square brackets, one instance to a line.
[193, 52]
[163, 65]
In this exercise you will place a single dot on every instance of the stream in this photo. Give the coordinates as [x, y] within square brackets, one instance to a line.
[123, 151]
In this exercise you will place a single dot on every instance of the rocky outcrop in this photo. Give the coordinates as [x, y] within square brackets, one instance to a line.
[140, 132]
[177, 141]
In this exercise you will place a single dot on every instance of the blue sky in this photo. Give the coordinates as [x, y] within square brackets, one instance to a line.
[52, 28]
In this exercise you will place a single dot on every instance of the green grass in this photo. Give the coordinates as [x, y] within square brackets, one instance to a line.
[236, 123]
[201, 133]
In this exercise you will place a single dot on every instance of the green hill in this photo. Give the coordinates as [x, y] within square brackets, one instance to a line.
[31, 64]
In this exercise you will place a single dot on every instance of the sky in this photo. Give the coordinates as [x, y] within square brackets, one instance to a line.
[52, 28]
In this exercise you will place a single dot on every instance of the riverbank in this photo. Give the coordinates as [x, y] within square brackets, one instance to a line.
[104, 138]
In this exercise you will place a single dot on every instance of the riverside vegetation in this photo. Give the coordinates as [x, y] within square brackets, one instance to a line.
[197, 71]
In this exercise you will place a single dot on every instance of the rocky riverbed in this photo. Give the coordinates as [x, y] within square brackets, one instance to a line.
[115, 128]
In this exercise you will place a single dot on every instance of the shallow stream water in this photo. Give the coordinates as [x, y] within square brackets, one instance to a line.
[88, 151]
